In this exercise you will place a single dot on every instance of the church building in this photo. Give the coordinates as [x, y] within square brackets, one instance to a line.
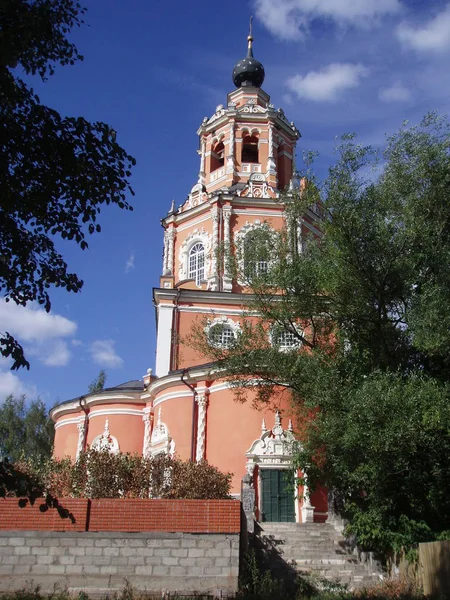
[246, 159]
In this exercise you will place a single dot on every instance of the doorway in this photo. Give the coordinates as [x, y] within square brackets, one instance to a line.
[277, 496]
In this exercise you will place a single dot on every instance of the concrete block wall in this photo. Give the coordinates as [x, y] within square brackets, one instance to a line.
[99, 563]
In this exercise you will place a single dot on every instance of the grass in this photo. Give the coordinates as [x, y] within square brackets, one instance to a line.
[265, 588]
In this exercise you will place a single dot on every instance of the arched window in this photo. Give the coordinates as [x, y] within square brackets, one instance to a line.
[221, 335]
[196, 265]
[217, 156]
[256, 253]
[250, 152]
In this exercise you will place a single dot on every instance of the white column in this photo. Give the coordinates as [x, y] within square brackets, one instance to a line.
[164, 339]
[271, 167]
[146, 445]
[307, 509]
[213, 283]
[201, 175]
[81, 426]
[230, 157]
[202, 401]
[227, 278]
[300, 236]
[170, 243]
[165, 270]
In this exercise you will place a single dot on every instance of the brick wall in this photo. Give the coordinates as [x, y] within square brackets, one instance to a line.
[127, 515]
[197, 516]
[99, 563]
[69, 515]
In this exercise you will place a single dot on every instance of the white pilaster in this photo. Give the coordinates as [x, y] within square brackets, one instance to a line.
[201, 175]
[231, 153]
[300, 237]
[307, 509]
[213, 283]
[81, 426]
[165, 270]
[202, 401]
[164, 339]
[147, 432]
[227, 278]
[271, 167]
[170, 250]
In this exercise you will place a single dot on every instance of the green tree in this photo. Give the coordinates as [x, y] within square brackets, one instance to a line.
[99, 382]
[26, 430]
[369, 303]
[56, 172]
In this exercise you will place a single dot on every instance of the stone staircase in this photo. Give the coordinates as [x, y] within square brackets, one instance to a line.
[289, 549]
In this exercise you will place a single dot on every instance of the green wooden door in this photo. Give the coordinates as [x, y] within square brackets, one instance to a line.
[277, 496]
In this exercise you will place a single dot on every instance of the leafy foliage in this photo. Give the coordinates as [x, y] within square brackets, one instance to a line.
[55, 172]
[369, 302]
[99, 382]
[101, 474]
[26, 430]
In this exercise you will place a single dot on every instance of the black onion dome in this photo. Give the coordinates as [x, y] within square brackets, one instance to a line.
[248, 72]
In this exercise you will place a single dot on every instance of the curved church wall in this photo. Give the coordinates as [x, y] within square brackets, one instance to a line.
[124, 422]
[66, 438]
[232, 427]
[176, 413]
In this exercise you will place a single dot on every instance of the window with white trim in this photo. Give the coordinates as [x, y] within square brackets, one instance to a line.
[256, 253]
[285, 339]
[196, 263]
[221, 335]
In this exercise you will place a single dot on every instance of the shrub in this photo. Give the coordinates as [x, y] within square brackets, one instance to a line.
[392, 589]
[101, 474]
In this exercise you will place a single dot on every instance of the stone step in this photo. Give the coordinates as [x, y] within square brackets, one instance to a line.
[300, 544]
[316, 549]
[304, 546]
[328, 559]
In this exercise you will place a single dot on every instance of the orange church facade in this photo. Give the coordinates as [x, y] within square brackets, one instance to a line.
[247, 157]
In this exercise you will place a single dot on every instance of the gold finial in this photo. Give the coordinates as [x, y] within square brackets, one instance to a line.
[250, 36]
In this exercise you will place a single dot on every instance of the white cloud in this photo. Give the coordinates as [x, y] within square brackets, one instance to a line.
[104, 354]
[42, 332]
[327, 84]
[130, 263]
[30, 323]
[11, 384]
[76, 342]
[290, 19]
[433, 36]
[57, 355]
[397, 92]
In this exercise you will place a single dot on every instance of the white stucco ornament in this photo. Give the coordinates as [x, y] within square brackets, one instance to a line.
[160, 440]
[274, 448]
[106, 441]
[194, 237]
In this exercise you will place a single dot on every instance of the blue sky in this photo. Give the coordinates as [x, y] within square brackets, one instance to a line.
[153, 70]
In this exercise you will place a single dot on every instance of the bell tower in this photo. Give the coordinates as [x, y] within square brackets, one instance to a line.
[247, 159]
[247, 141]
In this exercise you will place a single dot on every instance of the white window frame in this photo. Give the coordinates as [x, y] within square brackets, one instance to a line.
[197, 236]
[275, 332]
[232, 326]
[239, 241]
[196, 263]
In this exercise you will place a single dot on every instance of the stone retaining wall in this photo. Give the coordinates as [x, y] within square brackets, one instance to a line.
[100, 562]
